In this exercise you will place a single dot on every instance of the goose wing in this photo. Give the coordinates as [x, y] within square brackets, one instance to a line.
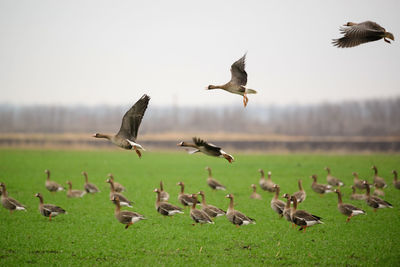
[215, 184]
[53, 208]
[13, 202]
[167, 207]
[239, 218]
[239, 75]
[358, 34]
[208, 146]
[132, 119]
[200, 216]
[91, 188]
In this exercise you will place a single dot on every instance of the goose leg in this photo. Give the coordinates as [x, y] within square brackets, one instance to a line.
[245, 99]
[137, 152]
[11, 211]
[50, 218]
[129, 224]
[348, 218]
[386, 40]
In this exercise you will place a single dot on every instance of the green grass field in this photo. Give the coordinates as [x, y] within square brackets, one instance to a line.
[90, 235]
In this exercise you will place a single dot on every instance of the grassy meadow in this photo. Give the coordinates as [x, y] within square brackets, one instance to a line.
[90, 235]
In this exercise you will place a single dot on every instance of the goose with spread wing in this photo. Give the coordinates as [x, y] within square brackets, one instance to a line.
[237, 84]
[200, 145]
[360, 33]
[126, 137]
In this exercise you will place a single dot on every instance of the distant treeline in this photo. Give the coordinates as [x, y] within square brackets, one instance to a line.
[350, 118]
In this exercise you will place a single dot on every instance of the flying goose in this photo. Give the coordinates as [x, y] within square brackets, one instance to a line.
[52, 186]
[214, 184]
[235, 216]
[209, 149]
[199, 216]
[122, 199]
[319, 188]
[331, 179]
[8, 202]
[303, 218]
[164, 196]
[126, 137]
[237, 84]
[211, 210]
[185, 199]
[126, 217]
[89, 188]
[347, 209]
[379, 182]
[49, 210]
[165, 208]
[301, 194]
[266, 184]
[396, 182]
[255, 195]
[276, 204]
[355, 196]
[117, 186]
[359, 33]
[74, 193]
[358, 183]
[374, 201]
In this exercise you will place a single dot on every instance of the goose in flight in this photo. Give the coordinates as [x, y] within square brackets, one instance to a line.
[237, 84]
[200, 145]
[126, 137]
[359, 33]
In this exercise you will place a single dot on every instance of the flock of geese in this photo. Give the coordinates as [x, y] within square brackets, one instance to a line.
[354, 34]
[289, 209]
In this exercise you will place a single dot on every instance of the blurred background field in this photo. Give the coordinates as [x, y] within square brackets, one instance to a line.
[90, 235]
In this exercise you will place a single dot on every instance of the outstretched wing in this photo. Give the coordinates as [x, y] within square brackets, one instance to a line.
[132, 119]
[210, 147]
[239, 75]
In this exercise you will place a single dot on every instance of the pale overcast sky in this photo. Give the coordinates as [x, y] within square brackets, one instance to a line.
[111, 52]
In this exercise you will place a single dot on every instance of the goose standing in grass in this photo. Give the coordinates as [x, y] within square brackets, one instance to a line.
[126, 137]
[49, 210]
[209, 149]
[355, 196]
[396, 182]
[358, 183]
[266, 184]
[199, 216]
[89, 188]
[117, 186]
[51, 185]
[347, 209]
[301, 194]
[378, 192]
[8, 202]
[254, 194]
[214, 184]
[122, 199]
[276, 204]
[165, 208]
[185, 199]
[374, 201]
[360, 33]
[379, 182]
[237, 84]
[331, 179]
[74, 192]
[164, 196]
[126, 217]
[211, 210]
[320, 188]
[303, 218]
[287, 210]
[235, 216]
